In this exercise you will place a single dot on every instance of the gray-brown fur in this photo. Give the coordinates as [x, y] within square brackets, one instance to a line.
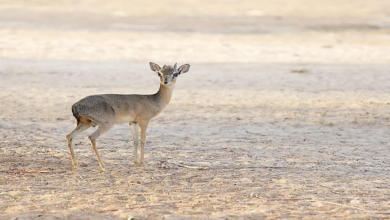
[108, 109]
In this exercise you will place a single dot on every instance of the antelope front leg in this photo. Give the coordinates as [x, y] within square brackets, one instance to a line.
[134, 131]
[143, 126]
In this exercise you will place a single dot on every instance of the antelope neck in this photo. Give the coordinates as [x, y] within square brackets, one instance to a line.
[165, 93]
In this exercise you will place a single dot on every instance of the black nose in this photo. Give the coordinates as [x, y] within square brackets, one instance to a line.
[165, 82]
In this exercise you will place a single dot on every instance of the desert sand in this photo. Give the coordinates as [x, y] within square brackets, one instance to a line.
[287, 105]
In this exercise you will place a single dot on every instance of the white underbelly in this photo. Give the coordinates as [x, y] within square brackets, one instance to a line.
[124, 119]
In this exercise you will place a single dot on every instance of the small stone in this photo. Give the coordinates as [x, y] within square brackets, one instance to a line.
[355, 201]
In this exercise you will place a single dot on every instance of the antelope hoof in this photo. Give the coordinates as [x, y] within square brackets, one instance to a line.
[75, 165]
[137, 164]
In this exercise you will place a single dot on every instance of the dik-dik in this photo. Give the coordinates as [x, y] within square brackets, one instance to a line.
[106, 110]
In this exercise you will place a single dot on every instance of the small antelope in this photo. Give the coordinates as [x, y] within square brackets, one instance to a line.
[106, 110]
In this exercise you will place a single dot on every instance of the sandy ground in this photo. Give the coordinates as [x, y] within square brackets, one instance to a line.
[287, 104]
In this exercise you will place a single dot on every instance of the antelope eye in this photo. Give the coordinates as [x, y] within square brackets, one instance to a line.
[159, 74]
[175, 74]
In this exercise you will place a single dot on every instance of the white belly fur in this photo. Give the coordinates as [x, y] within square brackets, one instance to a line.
[123, 119]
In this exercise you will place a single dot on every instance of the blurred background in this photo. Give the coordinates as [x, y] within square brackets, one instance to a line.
[196, 30]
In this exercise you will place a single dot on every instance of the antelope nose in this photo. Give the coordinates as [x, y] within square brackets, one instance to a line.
[165, 82]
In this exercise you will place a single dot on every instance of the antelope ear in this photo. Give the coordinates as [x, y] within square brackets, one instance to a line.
[184, 68]
[175, 67]
[154, 67]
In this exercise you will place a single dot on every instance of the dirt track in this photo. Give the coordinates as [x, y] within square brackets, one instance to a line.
[287, 105]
